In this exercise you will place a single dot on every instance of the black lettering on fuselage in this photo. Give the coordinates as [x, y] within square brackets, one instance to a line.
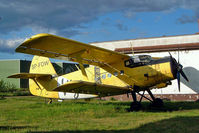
[34, 66]
[40, 64]
[43, 63]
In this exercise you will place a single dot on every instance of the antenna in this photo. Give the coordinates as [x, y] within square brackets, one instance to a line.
[132, 48]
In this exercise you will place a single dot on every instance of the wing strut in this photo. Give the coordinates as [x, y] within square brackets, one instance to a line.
[85, 77]
[79, 60]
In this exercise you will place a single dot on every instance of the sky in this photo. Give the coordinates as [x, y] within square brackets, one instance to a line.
[93, 20]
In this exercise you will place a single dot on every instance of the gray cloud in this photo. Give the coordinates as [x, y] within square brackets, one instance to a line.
[9, 45]
[63, 14]
[187, 19]
[192, 5]
[64, 17]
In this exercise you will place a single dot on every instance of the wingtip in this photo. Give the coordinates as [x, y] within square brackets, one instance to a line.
[34, 37]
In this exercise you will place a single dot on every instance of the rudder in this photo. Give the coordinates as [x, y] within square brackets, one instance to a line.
[38, 86]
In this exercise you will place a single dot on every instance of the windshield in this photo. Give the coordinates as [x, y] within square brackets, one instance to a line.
[138, 60]
[145, 58]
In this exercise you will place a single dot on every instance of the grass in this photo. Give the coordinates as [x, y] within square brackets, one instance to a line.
[32, 114]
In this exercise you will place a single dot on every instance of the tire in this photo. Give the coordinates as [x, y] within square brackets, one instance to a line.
[135, 106]
[157, 103]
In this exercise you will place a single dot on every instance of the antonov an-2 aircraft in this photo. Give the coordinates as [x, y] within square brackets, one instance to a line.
[111, 73]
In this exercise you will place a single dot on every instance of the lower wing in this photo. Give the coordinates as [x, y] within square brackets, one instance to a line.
[86, 87]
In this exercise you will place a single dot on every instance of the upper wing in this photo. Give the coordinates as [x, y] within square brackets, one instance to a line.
[92, 88]
[29, 75]
[62, 48]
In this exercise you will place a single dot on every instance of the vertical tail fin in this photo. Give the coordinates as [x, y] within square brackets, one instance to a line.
[42, 65]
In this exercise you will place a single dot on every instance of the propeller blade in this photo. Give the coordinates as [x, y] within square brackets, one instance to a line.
[175, 62]
[179, 70]
[170, 54]
[178, 80]
[184, 76]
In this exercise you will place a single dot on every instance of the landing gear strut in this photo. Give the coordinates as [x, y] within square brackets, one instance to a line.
[136, 105]
[157, 102]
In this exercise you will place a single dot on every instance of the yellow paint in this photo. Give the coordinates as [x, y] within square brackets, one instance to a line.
[109, 61]
[84, 74]
[161, 85]
[42, 65]
[41, 84]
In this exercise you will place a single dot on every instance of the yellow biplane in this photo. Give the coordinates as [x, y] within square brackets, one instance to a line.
[111, 73]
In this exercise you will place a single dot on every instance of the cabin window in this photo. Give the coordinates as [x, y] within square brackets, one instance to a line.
[115, 74]
[109, 75]
[136, 61]
[103, 76]
[121, 72]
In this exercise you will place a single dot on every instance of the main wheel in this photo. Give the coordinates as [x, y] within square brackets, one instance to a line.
[135, 106]
[157, 103]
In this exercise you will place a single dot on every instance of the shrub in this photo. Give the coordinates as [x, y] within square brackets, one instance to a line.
[7, 87]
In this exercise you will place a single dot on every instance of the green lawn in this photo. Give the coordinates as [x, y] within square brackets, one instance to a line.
[31, 114]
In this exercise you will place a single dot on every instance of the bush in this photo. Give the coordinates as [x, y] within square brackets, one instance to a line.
[7, 87]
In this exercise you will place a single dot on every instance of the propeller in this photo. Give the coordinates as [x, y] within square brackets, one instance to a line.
[179, 70]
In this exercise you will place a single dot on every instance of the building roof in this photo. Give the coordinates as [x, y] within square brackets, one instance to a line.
[174, 42]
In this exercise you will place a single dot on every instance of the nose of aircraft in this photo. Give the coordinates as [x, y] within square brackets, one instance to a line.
[177, 70]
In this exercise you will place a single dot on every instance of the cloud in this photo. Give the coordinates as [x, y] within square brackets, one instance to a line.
[186, 19]
[63, 17]
[65, 14]
[192, 5]
[9, 45]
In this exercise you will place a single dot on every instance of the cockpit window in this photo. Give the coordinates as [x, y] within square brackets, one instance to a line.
[145, 58]
[136, 61]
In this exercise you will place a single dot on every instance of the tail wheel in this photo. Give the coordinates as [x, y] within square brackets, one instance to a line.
[50, 101]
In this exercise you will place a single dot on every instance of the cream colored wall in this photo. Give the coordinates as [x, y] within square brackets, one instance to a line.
[148, 41]
[189, 59]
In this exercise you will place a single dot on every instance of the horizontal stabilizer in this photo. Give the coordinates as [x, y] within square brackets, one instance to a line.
[29, 75]
[92, 88]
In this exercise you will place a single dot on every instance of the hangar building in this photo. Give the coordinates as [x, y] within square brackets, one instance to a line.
[9, 67]
[186, 45]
